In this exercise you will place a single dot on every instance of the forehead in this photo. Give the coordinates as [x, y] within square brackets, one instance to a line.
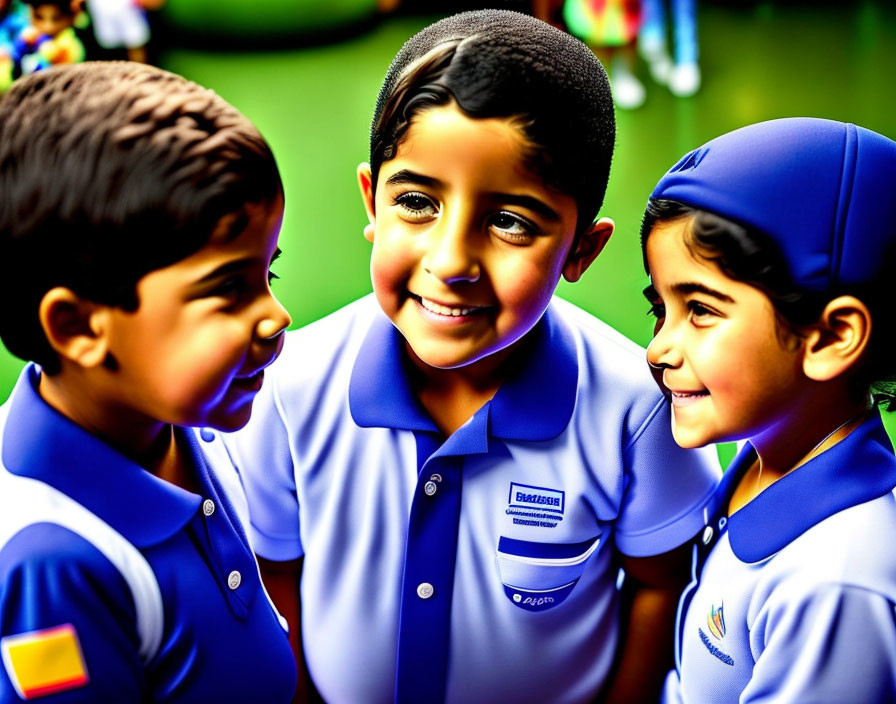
[493, 153]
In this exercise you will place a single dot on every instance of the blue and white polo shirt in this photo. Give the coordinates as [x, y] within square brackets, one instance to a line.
[473, 568]
[795, 596]
[116, 586]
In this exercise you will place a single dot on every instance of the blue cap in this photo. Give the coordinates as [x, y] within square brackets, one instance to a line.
[824, 191]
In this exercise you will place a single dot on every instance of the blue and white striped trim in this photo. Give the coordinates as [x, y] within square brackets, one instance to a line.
[558, 554]
[25, 501]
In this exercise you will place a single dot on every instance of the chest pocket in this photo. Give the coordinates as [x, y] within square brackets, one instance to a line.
[539, 576]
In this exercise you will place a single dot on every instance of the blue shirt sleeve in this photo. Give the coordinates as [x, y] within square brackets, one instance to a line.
[667, 488]
[826, 644]
[50, 578]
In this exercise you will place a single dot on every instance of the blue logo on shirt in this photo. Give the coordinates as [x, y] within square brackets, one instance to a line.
[541, 498]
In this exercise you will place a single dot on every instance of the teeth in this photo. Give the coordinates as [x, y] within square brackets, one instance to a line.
[444, 310]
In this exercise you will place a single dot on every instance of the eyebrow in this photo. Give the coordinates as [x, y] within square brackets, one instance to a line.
[233, 266]
[406, 176]
[686, 287]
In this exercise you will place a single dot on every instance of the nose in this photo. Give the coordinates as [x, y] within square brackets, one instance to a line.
[662, 352]
[273, 320]
[450, 253]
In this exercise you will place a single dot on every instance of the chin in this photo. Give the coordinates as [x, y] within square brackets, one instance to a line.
[690, 441]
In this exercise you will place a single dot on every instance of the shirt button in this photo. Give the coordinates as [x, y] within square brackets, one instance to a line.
[425, 590]
[206, 435]
[234, 579]
[707, 535]
[430, 488]
[208, 507]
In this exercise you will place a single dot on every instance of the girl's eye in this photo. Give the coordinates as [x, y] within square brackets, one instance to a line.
[272, 277]
[416, 206]
[513, 228]
[657, 310]
[699, 312]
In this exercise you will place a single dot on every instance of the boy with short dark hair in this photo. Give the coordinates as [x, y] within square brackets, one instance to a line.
[139, 215]
[456, 467]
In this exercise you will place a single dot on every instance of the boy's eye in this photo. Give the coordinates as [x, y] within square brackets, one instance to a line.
[231, 287]
[416, 206]
[513, 228]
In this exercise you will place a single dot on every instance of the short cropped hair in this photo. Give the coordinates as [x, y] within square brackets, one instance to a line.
[108, 171]
[498, 63]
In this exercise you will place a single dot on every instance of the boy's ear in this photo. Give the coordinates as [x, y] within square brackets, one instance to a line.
[77, 329]
[837, 342]
[365, 183]
[588, 245]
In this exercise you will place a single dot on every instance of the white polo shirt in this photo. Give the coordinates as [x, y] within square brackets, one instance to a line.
[477, 568]
[796, 593]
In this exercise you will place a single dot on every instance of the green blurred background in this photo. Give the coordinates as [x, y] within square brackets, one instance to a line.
[312, 95]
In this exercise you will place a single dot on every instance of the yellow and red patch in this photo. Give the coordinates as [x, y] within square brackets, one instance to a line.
[44, 662]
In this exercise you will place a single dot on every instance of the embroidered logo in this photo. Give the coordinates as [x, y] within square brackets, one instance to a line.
[690, 160]
[715, 621]
[535, 505]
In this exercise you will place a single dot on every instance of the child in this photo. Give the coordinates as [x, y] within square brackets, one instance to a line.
[458, 464]
[50, 39]
[123, 24]
[770, 252]
[139, 216]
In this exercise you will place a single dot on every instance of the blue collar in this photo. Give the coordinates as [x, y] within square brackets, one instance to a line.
[534, 403]
[41, 443]
[859, 468]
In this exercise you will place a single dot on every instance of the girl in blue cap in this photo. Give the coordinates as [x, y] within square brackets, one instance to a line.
[767, 250]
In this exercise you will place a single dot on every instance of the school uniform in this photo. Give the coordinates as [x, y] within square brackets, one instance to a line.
[478, 567]
[795, 593]
[116, 586]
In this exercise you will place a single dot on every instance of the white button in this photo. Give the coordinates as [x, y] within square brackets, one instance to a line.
[430, 488]
[436, 477]
[425, 590]
[208, 507]
[707, 535]
[234, 579]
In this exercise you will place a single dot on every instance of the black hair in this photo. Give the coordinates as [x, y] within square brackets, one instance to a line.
[746, 254]
[64, 5]
[502, 64]
[109, 171]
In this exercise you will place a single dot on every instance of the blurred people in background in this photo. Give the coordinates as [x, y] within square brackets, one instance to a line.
[680, 72]
[122, 24]
[610, 28]
[13, 19]
[49, 39]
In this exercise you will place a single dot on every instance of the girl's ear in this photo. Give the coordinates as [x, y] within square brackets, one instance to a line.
[586, 248]
[77, 329]
[837, 342]
[365, 183]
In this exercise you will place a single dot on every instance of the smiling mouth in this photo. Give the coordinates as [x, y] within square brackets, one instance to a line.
[685, 398]
[448, 311]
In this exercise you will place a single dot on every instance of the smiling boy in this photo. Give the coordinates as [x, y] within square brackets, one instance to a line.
[139, 216]
[445, 476]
